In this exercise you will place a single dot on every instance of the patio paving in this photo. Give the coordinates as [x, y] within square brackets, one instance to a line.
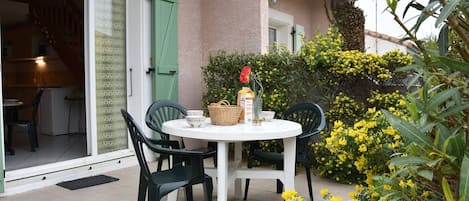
[126, 190]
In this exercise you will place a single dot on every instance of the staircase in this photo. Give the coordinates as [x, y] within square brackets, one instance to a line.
[61, 22]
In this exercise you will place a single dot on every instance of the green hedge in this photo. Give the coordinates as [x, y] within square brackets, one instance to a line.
[284, 77]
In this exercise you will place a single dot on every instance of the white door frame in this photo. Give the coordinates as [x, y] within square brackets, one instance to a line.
[137, 51]
[2, 131]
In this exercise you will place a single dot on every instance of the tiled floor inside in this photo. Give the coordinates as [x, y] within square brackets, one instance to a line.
[51, 149]
[126, 190]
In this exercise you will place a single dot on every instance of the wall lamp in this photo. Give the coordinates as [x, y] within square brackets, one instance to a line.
[40, 61]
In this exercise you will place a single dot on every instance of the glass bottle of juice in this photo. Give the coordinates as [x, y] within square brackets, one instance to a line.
[245, 101]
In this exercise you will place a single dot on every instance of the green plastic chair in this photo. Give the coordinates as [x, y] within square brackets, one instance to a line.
[161, 111]
[312, 120]
[187, 168]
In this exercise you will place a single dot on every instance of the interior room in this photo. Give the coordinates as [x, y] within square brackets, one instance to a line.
[42, 81]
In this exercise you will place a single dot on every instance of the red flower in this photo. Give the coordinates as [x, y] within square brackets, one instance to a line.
[244, 76]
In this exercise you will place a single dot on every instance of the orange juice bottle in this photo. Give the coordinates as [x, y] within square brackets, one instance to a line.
[245, 101]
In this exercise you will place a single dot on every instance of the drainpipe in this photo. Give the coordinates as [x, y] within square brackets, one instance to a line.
[376, 26]
[293, 36]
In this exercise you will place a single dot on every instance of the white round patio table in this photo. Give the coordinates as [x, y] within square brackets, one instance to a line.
[223, 135]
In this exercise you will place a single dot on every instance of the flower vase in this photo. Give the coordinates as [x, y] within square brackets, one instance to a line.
[257, 109]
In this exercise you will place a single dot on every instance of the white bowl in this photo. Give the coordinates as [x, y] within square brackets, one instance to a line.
[195, 113]
[195, 121]
[267, 115]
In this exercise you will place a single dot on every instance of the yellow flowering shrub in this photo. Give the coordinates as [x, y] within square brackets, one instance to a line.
[325, 54]
[387, 100]
[345, 109]
[396, 58]
[358, 64]
[351, 152]
[318, 53]
[381, 187]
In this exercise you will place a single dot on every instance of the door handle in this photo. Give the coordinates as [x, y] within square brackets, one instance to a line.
[150, 70]
[131, 82]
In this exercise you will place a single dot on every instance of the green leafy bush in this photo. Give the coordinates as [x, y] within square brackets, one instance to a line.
[280, 73]
[340, 81]
[434, 162]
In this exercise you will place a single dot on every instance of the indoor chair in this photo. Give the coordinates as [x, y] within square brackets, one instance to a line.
[29, 123]
[312, 120]
[187, 168]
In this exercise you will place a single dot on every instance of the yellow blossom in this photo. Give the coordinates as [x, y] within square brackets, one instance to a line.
[386, 187]
[426, 194]
[342, 141]
[324, 192]
[338, 124]
[401, 102]
[362, 148]
[352, 194]
[333, 198]
[287, 195]
[342, 157]
[410, 183]
[402, 184]
[358, 188]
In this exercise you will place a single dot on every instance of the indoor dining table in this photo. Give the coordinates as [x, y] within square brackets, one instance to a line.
[227, 171]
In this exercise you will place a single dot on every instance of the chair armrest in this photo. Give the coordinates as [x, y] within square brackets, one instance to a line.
[307, 135]
[205, 151]
[168, 143]
[175, 152]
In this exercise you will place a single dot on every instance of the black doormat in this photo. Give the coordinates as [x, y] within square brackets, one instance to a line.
[87, 182]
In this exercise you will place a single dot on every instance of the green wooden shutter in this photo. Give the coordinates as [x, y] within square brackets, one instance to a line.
[299, 37]
[165, 49]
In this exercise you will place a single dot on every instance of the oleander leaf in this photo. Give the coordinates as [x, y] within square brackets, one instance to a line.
[464, 179]
[409, 131]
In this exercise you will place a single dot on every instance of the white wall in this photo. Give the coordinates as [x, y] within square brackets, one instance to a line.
[380, 46]
[378, 19]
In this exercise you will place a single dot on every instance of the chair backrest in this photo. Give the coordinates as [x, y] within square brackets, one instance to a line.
[161, 111]
[312, 120]
[309, 115]
[35, 103]
[138, 139]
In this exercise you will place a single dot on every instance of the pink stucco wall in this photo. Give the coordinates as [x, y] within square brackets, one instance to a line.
[231, 25]
[190, 53]
[206, 26]
[310, 14]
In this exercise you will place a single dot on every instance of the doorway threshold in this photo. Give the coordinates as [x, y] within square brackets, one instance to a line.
[17, 181]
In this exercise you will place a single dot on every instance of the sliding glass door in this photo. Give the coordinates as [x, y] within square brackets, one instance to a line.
[110, 62]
